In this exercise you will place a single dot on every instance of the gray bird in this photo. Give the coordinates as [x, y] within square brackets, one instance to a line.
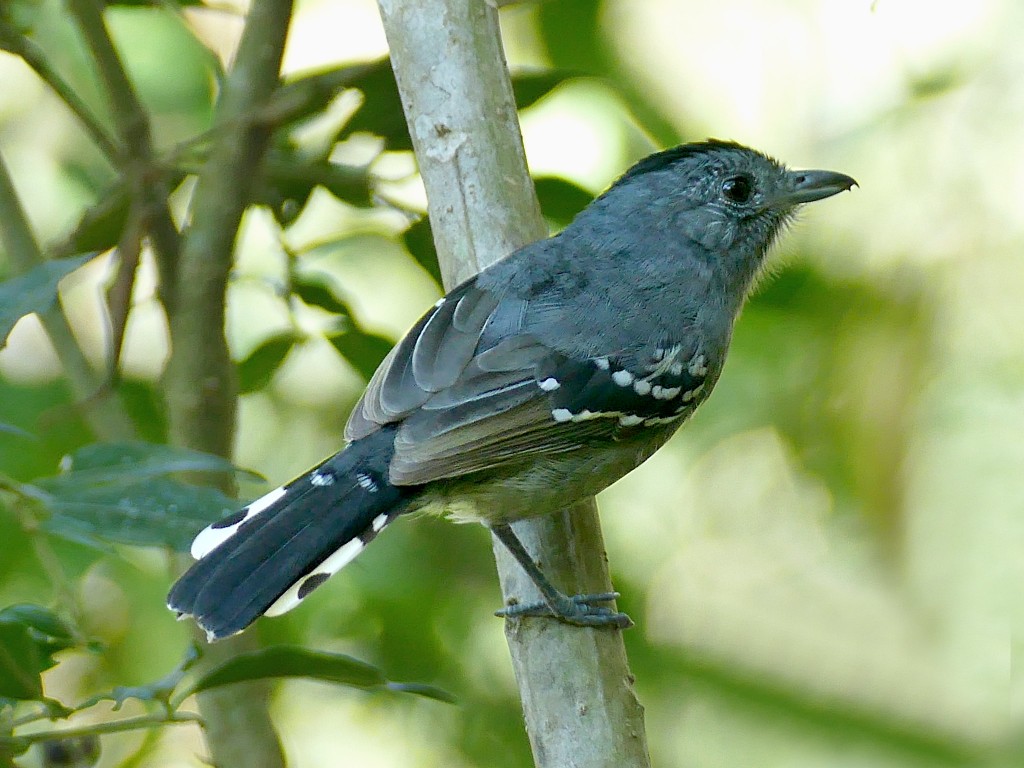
[543, 379]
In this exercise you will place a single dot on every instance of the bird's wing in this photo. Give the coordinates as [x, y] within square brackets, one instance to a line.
[474, 390]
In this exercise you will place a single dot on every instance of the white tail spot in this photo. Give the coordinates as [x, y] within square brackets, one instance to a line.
[342, 557]
[216, 534]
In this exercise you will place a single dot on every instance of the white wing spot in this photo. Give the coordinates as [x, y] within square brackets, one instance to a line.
[688, 396]
[642, 387]
[655, 421]
[379, 522]
[665, 393]
[561, 414]
[622, 378]
[698, 366]
[630, 420]
[320, 479]
[550, 384]
[366, 482]
[602, 363]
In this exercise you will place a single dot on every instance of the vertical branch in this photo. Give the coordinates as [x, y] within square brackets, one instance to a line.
[574, 683]
[135, 147]
[199, 380]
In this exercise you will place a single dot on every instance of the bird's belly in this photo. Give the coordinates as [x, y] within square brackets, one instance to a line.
[540, 485]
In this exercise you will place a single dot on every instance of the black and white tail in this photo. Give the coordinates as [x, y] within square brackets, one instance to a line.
[268, 557]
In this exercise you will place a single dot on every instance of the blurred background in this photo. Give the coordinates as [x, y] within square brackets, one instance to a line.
[820, 564]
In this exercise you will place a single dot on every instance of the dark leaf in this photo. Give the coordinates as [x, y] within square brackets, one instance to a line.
[34, 291]
[315, 290]
[45, 624]
[362, 349]
[381, 113]
[561, 200]
[308, 93]
[421, 689]
[144, 512]
[531, 86]
[120, 492]
[419, 241]
[100, 227]
[131, 461]
[29, 636]
[20, 664]
[287, 181]
[288, 661]
[256, 371]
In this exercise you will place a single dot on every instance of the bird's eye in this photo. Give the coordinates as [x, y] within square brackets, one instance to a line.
[737, 189]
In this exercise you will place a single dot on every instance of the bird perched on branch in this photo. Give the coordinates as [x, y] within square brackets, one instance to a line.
[543, 379]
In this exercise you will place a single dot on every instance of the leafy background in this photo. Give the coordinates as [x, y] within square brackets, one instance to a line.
[820, 564]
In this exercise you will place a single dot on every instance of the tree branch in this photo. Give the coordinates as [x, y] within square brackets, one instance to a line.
[199, 380]
[574, 683]
[135, 151]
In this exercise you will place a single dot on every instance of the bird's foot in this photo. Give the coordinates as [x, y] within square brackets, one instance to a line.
[578, 610]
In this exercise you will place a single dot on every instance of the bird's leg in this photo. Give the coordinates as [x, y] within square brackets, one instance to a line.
[577, 609]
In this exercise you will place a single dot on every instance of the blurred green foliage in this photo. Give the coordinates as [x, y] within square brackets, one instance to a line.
[814, 563]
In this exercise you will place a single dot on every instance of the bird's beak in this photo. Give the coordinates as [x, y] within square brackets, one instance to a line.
[808, 186]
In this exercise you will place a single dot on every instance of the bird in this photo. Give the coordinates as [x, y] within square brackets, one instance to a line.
[543, 379]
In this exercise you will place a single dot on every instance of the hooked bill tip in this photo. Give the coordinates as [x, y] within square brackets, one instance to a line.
[808, 186]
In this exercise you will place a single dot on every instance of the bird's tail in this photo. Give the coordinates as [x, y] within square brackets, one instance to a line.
[265, 559]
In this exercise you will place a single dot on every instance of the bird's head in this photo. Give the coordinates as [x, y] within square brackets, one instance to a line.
[730, 200]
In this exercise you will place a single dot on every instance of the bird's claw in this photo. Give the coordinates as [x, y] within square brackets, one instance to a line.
[577, 610]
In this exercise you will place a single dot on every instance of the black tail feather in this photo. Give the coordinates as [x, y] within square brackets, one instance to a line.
[268, 559]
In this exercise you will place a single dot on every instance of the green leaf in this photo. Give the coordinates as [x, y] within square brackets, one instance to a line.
[34, 291]
[421, 689]
[288, 179]
[316, 291]
[131, 461]
[20, 664]
[529, 86]
[256, 371]
[290, 661]
[381, 113]
[419, 241]
[561, 200]
[153, 512]
[29, 636]
[309, 93]
[120, 493]
[363, 350]
[101, 225]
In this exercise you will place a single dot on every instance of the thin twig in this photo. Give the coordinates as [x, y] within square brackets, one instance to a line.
[199, 381]
[37, 62]
[113, 726]
[137, 161]
[104, 415]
